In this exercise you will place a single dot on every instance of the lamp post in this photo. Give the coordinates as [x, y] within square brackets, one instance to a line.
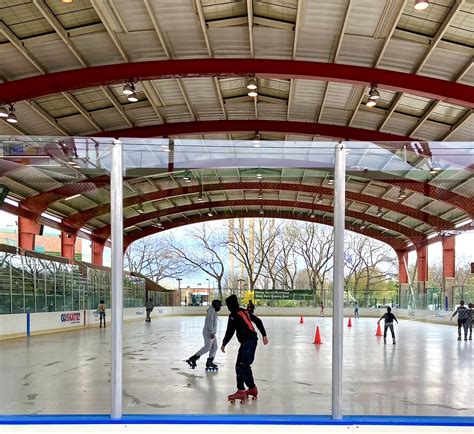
[208, 289]
[179, 288]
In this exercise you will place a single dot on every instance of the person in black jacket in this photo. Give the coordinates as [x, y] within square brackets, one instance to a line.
[240, 322]
[389, 317]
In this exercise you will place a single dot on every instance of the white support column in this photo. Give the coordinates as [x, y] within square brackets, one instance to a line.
[116, 213]
[338, 279]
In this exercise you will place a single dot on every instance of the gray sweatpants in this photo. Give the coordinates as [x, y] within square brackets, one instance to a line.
[209, 345]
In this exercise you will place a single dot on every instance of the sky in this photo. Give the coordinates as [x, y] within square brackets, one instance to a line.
[464, 249]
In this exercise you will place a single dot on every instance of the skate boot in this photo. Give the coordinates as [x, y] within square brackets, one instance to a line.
[192, 361]
[210, 365]
[239, 395]
[253, 392]
[459, 338]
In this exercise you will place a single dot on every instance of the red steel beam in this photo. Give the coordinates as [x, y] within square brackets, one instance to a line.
[414, 236]
[395, 243]
[64, 81]
[78, 220]
[287, 127]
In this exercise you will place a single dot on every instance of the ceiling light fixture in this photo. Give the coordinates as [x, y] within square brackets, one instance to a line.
[157, 224]
[374, 93]
[363, 226]
[320, 198]
[133, 97]
[260, 194]
[3, 112]
[436, 166]
[312, 216]
[379, 212]
[140, 209]
[421, 5]
[72, 197]
[432, 170]
[128, 89]
[252, 93]
[210, 213]
[200, 198]
[256, 141]
[67, 1]
[331, 180]
[187, 176]
[12, 116]
[252, 83]
[259, 175]
[402, 194]
[261, 211]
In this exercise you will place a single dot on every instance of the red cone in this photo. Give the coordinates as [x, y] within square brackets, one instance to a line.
[379, 330]
[349, 324]
[301, 319]
[317, 337]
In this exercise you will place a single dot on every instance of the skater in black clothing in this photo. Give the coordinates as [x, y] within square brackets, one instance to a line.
[251, 307]
[471, 319]
[389, 317]
[463, 314]
[149, 308]
[240, 322]
[101, 309]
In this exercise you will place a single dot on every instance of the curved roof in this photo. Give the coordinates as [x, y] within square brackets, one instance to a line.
[64, 65]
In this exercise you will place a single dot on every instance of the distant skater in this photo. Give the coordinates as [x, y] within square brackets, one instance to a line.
[356, 310]
[210, 341]
[240, 322]
[463, 314]
[149, 309]
[321, 309]
[101, 310]
[471, 319]
[251, 307]
[389, 317]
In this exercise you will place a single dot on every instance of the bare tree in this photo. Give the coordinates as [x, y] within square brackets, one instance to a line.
[253, 256]
[315, 244]
[152, 257]
[368, 262]
[204, 252]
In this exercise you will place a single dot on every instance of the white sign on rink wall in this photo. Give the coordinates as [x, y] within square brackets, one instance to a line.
[219, 429]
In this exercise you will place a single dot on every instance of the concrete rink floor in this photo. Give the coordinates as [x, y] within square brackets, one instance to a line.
[427, 373]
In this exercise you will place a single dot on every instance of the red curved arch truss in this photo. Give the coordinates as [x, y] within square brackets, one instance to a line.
[76, 221]
[427, 87]
[414, 236]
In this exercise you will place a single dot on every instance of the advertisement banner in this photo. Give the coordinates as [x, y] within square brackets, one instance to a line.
[296, 294]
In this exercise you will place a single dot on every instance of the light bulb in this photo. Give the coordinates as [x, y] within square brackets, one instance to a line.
[421, 5]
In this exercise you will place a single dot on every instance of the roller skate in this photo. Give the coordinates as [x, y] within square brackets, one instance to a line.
[253, 392]
[192, 361]
[211, 366]
[239, 395]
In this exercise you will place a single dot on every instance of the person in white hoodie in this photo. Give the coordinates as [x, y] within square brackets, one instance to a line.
[210, 341]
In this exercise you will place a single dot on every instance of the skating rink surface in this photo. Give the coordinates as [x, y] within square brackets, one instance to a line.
[427, 373]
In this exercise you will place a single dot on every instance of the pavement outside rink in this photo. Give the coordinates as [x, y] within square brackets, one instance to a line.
[428, 372]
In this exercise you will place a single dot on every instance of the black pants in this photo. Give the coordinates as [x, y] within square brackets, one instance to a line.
[101, 317]
[148, 319]
[463, 325]
[389, 325]
[242, 367]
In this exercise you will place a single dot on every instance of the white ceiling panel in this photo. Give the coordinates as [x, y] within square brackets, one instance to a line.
[230, 41]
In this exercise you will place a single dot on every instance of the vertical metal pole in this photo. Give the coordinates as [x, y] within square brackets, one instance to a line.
[116, 213]
[338, 279]
[11, 287]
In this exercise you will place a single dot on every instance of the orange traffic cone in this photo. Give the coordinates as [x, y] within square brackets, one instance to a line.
[301, 319]
[349, 324]
[379, 330]
[317, 337]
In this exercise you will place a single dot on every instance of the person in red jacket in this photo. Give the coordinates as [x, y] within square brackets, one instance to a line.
[241, 322]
